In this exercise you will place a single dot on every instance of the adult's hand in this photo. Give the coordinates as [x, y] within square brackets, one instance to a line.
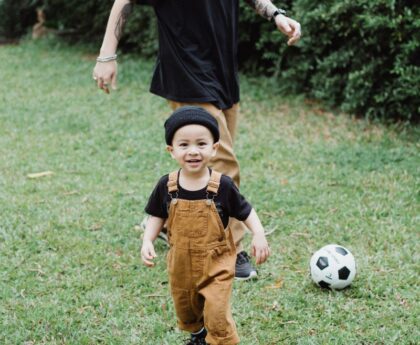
[289, 27]
[105, 75]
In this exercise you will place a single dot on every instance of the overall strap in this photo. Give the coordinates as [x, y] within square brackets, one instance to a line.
[173, 182]
[214, 182]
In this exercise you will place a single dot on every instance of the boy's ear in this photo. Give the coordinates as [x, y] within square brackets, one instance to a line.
[169, 148]
[215, 148]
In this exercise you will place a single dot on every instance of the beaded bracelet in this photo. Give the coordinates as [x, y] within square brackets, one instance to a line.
[106, 58]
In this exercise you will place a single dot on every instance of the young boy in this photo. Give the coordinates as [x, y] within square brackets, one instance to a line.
[196, 202]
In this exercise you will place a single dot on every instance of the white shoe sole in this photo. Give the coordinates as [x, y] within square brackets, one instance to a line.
[253, 275]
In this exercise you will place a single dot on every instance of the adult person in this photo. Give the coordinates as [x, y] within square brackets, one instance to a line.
[197, 64]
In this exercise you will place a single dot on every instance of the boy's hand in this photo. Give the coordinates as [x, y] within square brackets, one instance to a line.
[260, 248]
[148, 253]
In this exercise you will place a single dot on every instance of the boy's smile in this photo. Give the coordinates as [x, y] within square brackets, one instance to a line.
[193, 147]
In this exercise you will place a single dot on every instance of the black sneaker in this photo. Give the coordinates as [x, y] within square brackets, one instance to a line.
[163, 234]
[198, 339]
[243, 267]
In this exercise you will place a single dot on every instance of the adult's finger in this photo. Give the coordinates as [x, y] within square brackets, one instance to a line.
[296, 33]
[103, 84]
[106, 87]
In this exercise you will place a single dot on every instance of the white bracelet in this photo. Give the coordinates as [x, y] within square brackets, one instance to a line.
[106, 58]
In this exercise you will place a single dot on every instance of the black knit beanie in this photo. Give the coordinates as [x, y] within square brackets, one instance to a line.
[190, 115]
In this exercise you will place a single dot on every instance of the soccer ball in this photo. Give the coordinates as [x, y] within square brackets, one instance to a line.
[333, 267]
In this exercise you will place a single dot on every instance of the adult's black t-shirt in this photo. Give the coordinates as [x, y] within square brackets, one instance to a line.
[229, 201]
[197, 58]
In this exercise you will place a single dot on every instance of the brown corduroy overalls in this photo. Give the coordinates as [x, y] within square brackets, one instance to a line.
[201, 264]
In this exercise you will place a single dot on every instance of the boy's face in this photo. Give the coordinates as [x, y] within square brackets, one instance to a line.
[192, 147]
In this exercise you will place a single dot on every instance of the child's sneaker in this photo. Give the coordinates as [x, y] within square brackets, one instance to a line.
[198, 338]
[163, 234]
[243, 267]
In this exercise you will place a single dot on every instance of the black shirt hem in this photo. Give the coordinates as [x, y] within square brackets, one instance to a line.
[218, 104]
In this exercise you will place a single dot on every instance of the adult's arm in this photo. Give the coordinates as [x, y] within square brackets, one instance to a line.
[105, 73]
[288, 26]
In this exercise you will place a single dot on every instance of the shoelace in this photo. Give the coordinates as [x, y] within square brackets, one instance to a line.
[243, 257]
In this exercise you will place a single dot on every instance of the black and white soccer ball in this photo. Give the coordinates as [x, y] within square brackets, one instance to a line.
[333, 267]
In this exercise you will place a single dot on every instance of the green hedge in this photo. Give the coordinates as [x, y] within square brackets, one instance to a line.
[15, 17]
[359, 56]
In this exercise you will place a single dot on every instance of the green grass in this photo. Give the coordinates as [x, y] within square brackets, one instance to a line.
[69, 266]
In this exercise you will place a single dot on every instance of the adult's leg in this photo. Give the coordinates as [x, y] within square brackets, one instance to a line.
[232, 116]
[238, 228]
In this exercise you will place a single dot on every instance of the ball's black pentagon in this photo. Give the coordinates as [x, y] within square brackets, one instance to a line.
[324, 285]
[341, 250]
[343, 273]
[322, 262]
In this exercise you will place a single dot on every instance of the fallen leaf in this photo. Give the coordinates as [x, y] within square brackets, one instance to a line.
[40, 174]
[275, 306]
[403, 302]
[96, 226]
[300, 234]
[288, 322]
[278, 284]
[73, 192]
[268, 232]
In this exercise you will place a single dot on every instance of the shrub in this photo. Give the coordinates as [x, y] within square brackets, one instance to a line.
[16, 16]
[361, 56]
[86, 21]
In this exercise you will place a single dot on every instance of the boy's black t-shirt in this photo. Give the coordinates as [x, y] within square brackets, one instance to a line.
[229, 201]
[198, 47]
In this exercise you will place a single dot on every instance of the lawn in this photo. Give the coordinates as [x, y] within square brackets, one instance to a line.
[70, 271]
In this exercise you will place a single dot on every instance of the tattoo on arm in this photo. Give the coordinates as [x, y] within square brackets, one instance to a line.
[122, 19]
[264, 8]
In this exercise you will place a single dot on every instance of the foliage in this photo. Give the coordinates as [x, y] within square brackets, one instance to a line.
[359, 56]
[15, 17]
[362, 56]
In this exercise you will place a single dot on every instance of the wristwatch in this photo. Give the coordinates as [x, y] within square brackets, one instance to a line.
[277, 12]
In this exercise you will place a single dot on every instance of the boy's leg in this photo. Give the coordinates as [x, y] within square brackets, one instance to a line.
[188, 307]
[218, 318]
